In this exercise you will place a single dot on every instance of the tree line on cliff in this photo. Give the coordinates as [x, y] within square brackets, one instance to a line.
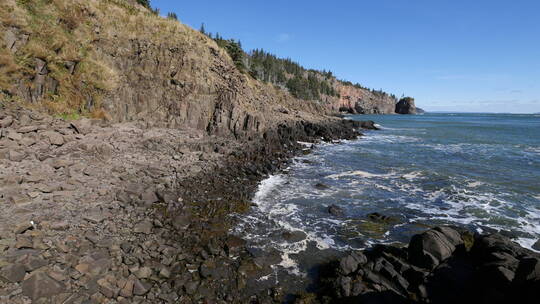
[302, 83]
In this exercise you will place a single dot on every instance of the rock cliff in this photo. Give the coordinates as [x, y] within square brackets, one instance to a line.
[119, 61]
[362, 101]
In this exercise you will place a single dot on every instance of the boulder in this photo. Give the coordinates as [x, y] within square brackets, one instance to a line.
[350, 263]
[368, 124]
[430, 248]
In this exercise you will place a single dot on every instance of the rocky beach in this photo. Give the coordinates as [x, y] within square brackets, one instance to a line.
[122, 213]
[99, 212]
[133, 150]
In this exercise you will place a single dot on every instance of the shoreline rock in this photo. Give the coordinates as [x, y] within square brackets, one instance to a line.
[441, 265]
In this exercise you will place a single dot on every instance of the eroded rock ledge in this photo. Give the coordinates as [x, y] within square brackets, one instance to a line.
[441, 265]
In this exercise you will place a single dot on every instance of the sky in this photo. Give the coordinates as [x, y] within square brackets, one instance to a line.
[450, 55]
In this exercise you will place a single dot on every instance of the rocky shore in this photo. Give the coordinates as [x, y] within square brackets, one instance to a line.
[124, 213]
[441, 265]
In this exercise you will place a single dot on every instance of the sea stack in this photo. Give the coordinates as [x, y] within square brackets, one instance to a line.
[405, 106]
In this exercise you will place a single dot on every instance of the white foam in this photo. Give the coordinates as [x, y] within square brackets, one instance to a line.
[412, 175]
[475, 184]
[307, 144]
[357, 173]
[265, 187]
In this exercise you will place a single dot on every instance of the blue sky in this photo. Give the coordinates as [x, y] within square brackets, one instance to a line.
[451, 55]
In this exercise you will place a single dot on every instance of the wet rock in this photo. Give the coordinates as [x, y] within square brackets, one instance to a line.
[294, 236]
[321, 186]
[336, 210]
[377, 217]
[369, 124]
[40, 285]
[234, 245]
[536, 245]
[13, 273]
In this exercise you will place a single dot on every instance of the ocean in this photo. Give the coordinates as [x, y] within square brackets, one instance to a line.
[480, 171]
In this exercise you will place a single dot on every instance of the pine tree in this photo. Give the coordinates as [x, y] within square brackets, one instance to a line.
[172, 15]
[202, 29]
[145, 3]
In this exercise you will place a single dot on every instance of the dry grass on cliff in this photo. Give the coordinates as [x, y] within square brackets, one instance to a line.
[62, 31]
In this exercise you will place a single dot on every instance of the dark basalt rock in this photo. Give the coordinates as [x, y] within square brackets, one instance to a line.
[294, 236]
[438, 267]
[336, 210]
[321, 186]
[377, 217]
[536, 245]
[369, 125]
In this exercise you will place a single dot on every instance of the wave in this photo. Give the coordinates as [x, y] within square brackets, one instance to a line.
[265, 187]
[357, 173]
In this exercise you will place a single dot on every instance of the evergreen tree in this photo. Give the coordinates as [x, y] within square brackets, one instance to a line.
[145, 3]
[202, 29]
[172, 15]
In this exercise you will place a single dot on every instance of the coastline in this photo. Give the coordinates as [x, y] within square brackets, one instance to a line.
[130, 214]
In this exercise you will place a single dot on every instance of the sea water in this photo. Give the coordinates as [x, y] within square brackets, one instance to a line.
[480, 171]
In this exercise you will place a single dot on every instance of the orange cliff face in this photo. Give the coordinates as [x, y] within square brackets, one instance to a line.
[362, 101]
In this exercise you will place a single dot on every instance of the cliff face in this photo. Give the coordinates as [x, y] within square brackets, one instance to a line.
[362, 101]
[119, 61]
